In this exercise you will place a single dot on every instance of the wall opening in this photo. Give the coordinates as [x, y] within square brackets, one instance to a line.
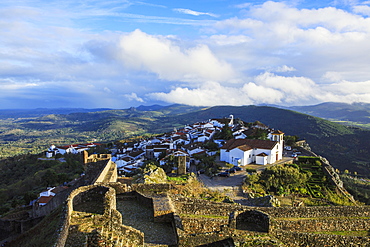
[253, 221]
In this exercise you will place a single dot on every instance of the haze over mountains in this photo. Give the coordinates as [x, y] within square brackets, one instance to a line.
[334, 111]
[356, 112]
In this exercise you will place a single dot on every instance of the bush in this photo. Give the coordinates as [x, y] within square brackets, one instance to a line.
[250, 170]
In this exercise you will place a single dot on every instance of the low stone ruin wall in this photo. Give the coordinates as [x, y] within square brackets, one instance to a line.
[110, 220]
[196, 225]
[284, 222]
[221, 238]
[308, 239]
[317, 225]
[316, 212]
[163, 209]
[118, 187]
[185, 205]
[250, 220]
[152, 188]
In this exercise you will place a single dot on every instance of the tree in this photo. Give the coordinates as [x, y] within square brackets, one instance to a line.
[50, 178]
[290, 140]
[211, 146]
[226, 133]
[286, 177]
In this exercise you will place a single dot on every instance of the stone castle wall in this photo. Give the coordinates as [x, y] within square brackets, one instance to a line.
[185, 205]
[290, 238]
[316, 212]
[198, 225]
[200, 222]
[108, 174]
[318, 225]
[110, 220]
[56, 201]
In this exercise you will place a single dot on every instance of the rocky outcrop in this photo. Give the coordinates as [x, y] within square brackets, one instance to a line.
[151, 175]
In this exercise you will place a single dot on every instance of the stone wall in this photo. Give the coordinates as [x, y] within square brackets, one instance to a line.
[118, 187]
[95, 157]
[163, 208]
[192, 228]
[196, 225]
[56, 201]
[17, 222]
[94, 170]
[110, 220]
[185, 205]
[308, 239]
[316, 212]
[108, 173]
[250, 220]
[207, 239]
[324, 224]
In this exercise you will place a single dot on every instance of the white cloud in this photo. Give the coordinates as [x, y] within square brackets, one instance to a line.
[133, 97]
[223, 40]
[322, 53]
[157, 54]
[362, 9]
[195, 13]
[9, 85]
[283, 68]
[266, 88]
[243, 5]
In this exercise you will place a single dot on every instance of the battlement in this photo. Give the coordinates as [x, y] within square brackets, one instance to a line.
[197, 222]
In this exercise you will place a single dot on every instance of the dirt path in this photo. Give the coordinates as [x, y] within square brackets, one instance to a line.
[231, 186]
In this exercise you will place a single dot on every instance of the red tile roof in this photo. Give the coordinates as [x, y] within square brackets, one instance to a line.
[44, 199]
[247, 144]
[277, 132]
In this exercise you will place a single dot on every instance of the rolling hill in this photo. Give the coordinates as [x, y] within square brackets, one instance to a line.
[345, 147]
[350, 114]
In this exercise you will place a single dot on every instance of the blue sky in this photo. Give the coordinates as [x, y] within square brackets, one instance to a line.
[122, 53]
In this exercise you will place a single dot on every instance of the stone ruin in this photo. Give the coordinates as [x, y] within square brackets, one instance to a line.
[91, 217]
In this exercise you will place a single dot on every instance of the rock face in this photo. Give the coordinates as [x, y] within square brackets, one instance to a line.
[151, 175]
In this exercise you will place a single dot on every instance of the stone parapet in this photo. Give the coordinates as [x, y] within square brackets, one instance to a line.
[324, 224]
[308, 239]
[106, 218]
[316, 212]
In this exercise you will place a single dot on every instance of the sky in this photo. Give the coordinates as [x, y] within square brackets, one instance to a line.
[123, 53]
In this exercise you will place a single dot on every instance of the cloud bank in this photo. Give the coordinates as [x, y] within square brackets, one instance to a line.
[269, 53]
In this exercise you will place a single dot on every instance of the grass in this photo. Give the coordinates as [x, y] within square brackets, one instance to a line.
[178, 179]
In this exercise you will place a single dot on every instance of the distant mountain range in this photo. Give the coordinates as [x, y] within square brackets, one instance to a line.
[350, 113]
[19, 113]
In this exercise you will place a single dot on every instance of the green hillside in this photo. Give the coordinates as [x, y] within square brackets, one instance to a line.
[345, 147]
[357, 114]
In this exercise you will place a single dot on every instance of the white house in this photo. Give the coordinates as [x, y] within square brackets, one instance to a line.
[245, 151]
[220, 122]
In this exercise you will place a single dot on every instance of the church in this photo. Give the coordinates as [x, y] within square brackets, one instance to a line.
[240, 152]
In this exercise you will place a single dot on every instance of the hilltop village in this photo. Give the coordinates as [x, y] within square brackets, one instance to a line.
[238, 142]
[104, 208]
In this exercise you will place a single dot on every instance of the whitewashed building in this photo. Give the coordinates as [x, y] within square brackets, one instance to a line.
[240, 152]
